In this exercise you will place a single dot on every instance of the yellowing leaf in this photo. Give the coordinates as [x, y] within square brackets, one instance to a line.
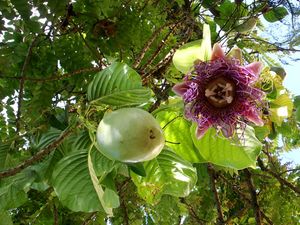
[186, 55]
[281, 108]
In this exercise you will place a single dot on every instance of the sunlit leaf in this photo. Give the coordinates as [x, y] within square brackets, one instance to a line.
[5, 218]
[73, 184]
[177, 134]
[118, 85]
[166, 174]
[281, 108]
[238, 153]
[275, 14]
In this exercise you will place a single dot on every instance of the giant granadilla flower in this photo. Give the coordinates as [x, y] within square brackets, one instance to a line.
[220, 93]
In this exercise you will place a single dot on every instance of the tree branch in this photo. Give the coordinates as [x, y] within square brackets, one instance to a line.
[90, 218]
[212, 176]
[254, 201]
[244, 197]
[162, 43]
[277, 176]
[148, 44]
[38, 156]
[55, 77]
[193, 213]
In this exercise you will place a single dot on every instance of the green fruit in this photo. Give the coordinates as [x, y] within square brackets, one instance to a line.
[130, 135]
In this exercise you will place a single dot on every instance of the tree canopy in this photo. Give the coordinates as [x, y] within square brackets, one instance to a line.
[66, 64]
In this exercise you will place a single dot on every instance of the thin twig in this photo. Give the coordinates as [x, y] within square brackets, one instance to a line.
[148, 44]
[55, 77]
[55, 215]
[90, 218]
[193, 213]
[38, 156]
[244, 197]
[22, 82]
[212, 176]
[161, 45]
[254, 201]
[168, 58]
[237, 214]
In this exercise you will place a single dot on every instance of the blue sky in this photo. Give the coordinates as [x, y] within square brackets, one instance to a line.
[292, 83]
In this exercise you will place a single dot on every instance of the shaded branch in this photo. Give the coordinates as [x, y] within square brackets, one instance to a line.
[212, 175]
[55, 77]
[148, 44]
[38, 156]
[244, 197]
[22, 82]
[254, 201]
[90, 218]
[168, 58]
[238, 214]
[282, 181]
[193, 213]
[161, 45]
[55, 215]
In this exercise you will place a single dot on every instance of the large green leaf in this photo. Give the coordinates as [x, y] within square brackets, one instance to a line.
[237, 153]
[73, 185]
[76, 184]
[13, 190]
[276, 14]
[6, 160]
[166, 174]
[5, 218]
[177, 135]
[118, 85]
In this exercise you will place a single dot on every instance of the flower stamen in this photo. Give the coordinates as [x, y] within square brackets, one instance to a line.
[220, 92]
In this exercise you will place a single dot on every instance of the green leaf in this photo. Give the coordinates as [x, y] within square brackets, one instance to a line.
[166, 174]
[178, 136]
[118, 85]
[23, 8]
[111, 198]
[298, 114]
[46, 138]
[137, 168]
[6, 160]
[5, 218]
[297, 101]
[276, 14]
[237, 153]
[73, 184]
[13, 189]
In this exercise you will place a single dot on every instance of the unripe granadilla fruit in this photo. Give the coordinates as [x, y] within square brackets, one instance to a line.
[221, 93]
[130, 135]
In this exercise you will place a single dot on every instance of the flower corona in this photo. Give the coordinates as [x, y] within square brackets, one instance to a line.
[221, 93]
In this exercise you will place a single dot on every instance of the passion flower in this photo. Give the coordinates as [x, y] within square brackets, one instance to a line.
[221, 93]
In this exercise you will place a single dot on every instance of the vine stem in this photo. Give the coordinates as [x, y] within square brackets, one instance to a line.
[254, 201]
[22, 82]
[212, 176]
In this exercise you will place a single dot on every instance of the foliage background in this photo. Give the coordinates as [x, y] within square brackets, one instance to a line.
[52, 98]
